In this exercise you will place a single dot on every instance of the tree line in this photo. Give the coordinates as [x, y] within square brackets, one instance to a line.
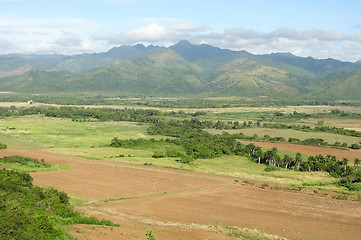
[199, 144]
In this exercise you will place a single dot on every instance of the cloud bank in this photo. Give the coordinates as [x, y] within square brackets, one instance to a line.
[73, 36]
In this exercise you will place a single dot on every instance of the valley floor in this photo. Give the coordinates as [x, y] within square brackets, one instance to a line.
[177, 204]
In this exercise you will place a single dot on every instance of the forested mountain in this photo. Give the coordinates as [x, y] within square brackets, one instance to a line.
[182, 69]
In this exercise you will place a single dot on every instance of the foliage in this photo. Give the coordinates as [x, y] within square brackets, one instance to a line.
[149, 235]
[30, 212]
[25, 161]
[271, 169]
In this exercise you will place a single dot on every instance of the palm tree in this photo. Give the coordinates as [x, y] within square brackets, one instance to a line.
[298, 160]
[356, 163]
[250, 149]
[258, 154]
[344, 163]
[287, 159]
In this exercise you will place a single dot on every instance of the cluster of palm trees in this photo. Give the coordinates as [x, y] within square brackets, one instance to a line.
[337, 168]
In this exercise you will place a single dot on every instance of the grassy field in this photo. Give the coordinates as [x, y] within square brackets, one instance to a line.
[287, 133]
[354, 124]
[54, 132]
[91, 140]
[30, 168]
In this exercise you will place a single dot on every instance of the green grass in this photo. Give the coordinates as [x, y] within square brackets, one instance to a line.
[29, 168]
[287, 133]
[54, 132]
[91, 140]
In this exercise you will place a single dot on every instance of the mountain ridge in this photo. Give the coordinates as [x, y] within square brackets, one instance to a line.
[183, 68]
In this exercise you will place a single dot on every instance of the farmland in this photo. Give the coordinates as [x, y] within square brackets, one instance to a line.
[222, 197]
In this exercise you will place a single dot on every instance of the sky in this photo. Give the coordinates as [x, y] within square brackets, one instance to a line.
[317, 28]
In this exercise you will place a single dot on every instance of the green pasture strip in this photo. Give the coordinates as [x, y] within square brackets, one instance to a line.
[56, 132]
[29, 168]
[26, 164]
[287, 133]
[17, 143]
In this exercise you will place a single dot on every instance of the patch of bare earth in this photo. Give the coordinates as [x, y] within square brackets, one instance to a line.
[339, 153]
[177, 204]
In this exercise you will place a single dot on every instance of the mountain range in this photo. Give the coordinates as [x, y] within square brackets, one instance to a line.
[180, 70]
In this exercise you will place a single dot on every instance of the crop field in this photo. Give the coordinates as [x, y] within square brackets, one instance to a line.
[225, 197]
[287, 133]
[354, 124]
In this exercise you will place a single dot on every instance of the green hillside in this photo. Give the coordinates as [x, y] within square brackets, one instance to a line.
[349, 88]
[35, 81]
[248, 78]
[181, 69]
[160, 74]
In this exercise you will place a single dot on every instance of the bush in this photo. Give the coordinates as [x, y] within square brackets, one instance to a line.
[187, 159]
[355, 146]
[271, 169]
[173, 153]
[158, 155]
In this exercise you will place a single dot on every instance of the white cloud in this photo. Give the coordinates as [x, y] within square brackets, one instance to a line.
[74, 35]
[152, 32]
[35, 35]
[314, 42]
[187, 27]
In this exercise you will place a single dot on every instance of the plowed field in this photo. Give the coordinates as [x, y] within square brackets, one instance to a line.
[177, 204]
[339, 153]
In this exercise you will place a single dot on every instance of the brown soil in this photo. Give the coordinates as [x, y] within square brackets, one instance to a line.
[339, 153]
[177, 204]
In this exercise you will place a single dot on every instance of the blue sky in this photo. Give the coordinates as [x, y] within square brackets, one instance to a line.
[316, 28]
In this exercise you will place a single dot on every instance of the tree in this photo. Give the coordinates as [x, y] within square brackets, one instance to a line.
[344, 163]
[258, 154]
[287, 160]
[356, 163]
[250, 149]
[298, 160]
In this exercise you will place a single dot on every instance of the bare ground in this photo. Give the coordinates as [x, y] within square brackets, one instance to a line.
[339, 153]
[177, 204]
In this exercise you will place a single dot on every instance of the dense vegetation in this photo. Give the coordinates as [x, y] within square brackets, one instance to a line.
[199, 144]
[30, 212]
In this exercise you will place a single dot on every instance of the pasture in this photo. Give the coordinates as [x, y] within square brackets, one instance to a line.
[219, 198]
[289, 133]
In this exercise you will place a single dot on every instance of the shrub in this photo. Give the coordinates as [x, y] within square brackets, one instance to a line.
[187, 159]
[271, 169]
[158, 155]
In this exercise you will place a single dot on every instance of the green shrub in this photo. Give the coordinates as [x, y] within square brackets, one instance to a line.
[271, 168]
[158, 155]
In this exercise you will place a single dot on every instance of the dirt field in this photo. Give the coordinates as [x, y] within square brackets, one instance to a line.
[177, 204]
[354, 124]
[339, 153]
